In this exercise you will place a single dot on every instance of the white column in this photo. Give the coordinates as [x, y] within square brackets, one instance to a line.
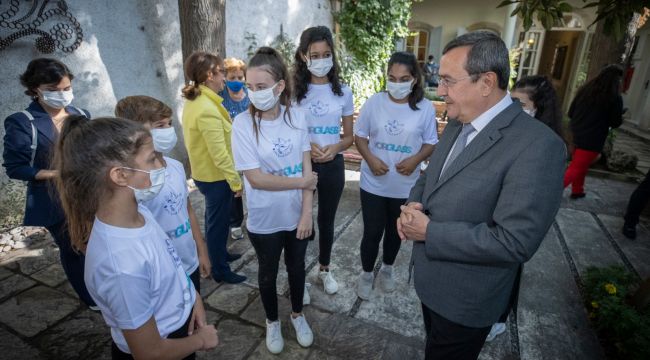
[509, 26]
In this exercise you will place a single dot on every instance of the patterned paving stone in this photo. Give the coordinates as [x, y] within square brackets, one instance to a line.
[5, 273]
[12, 347]
[236, 340]
[356, 339]
[52, 275]
[231, 298]
[37, 259]
[81, 337]
[14, 284]
[34, 310]
[292, 351]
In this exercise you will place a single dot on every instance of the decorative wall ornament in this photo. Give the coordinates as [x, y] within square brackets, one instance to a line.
[52, 23]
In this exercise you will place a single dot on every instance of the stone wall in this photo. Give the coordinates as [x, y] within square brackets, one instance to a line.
[134, 48]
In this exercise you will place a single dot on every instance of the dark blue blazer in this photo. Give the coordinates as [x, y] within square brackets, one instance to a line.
[42, 206]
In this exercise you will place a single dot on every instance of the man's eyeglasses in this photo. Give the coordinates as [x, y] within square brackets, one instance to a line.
[449, 82]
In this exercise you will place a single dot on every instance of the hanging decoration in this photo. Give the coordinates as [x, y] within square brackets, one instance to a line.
[50, 21]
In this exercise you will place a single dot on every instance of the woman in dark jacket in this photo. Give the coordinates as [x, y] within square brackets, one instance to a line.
[29, 140]
[597, 107]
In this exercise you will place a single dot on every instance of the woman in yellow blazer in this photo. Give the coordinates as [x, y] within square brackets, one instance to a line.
[206, 130]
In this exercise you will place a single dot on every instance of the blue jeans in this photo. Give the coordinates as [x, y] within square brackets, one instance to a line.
[72, 262]
[218, 198]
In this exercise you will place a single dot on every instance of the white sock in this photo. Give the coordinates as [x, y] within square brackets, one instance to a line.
[387, 268]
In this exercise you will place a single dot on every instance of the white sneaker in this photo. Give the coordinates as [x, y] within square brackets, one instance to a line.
[304, 335]
[236, 233]
[497, 329]
[274, 340]
[306, 299]
[386, 280]
[364, 286]
[329, 284]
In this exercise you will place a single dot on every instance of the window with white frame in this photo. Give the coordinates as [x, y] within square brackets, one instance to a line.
[417, 43]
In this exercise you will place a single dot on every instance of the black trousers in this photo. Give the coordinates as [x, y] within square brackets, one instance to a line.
[638, 201]
[514, 296]
[331, 180]
[268, 248]
[117, 354]
[196, 279]
[447, 340]
[379, 219]
[236, 211]
[71, 261]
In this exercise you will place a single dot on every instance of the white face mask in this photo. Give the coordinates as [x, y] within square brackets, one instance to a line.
[530, 112]
[399, 90]
[320, 67]
[57, 99]
[164, 140]
[264, 99]
[157, 178]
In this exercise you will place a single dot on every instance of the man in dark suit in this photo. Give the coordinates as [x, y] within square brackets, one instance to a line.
[485, 202]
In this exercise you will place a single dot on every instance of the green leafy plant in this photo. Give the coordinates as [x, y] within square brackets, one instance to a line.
[616, 14]
[368, 31]
[514, 55]
[285, 46]
[252, 44]
[624, 330]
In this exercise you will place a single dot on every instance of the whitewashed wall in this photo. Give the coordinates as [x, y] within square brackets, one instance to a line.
[134, 48]
[264, 17]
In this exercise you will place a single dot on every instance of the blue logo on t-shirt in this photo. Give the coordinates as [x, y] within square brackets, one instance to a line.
[172, 252]
[287, 171]
[282, 147]
[394, 147]
[324, 130]
[319, 108]
[180, 230]
[173, 203]
[394, 127]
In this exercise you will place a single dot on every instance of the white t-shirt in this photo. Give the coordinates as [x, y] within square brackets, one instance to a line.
[279, 152]
[134, 274]
[395, 132]
[323, 111]
[169, 208]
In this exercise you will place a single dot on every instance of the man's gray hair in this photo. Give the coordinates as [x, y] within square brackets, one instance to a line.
[487, 53]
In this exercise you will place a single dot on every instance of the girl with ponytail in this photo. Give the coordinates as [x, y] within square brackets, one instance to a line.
[108, 166]
[271, 147]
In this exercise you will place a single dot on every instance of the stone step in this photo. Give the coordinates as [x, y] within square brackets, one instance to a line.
[552, 321]
[637, 252]
[585, 240]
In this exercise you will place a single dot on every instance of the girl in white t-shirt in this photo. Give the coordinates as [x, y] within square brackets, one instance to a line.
[327, 106]
[132, 271]
[171, 208]
[395, 132]
[271, 146]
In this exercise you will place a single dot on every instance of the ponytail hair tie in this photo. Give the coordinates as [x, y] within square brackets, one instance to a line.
[191, 83]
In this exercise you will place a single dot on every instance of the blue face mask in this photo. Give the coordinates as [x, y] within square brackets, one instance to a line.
[234, 86]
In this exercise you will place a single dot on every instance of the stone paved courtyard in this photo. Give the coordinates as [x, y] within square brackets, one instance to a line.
[41, 318]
